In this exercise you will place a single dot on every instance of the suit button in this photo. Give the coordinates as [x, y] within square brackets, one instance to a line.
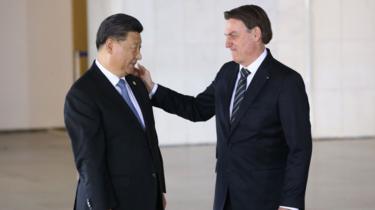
[153, 175]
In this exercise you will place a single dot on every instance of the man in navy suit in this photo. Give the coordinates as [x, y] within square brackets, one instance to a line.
[262, 119]
[109, 118]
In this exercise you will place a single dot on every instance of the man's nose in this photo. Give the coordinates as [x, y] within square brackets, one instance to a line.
[139, 56]
[228, 43]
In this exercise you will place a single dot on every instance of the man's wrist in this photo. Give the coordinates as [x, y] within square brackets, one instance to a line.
[150, 86]
[154, 88]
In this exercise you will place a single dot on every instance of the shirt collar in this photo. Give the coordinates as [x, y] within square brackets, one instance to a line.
[110, 76]
[253, 67]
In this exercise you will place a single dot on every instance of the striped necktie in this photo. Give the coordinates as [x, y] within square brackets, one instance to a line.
[240, 93]
[125, 95]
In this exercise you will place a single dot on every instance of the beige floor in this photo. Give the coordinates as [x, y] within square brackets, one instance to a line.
[37, 173]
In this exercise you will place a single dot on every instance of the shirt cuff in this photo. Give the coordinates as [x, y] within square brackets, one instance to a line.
[153, 91]
[290, 208]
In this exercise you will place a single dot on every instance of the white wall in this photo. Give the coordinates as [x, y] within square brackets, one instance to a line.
[36, 62]
[344, 52]
[183, 46]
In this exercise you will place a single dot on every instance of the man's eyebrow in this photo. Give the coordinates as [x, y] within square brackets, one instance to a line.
[230, 34]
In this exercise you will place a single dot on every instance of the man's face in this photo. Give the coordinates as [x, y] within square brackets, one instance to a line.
[126, 53]
[241, 41]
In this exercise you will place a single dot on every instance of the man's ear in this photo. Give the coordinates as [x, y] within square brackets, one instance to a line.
[108, 45]
[257, 33]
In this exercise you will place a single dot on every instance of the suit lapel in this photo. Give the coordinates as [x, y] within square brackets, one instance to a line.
[232, 76]
[144, 104]
[256, 85]
[113, 95]
[107, 88]
[140, 99]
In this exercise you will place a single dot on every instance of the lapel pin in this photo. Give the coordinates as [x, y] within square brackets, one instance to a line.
[268, 77]
[134, 83]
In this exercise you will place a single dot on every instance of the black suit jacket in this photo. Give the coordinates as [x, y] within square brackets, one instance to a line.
[119, 163]
[264, 156]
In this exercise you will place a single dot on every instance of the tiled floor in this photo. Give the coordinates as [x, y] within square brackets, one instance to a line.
[37, 173]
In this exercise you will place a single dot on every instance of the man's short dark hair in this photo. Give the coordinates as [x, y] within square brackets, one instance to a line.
[252, 16]
[117, 26]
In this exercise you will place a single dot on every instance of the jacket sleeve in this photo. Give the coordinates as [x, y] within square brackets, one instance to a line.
[199, 108]
[82, 120]
[294, 116]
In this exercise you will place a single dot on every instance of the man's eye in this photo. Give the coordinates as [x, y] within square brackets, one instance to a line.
[136, 47]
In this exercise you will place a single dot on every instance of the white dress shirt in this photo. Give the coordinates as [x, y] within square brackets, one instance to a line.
[114, 80]
[253, 67]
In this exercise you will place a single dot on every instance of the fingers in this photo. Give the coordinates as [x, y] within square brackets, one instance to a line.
[138, 71]
[164, 201]
[141, 67]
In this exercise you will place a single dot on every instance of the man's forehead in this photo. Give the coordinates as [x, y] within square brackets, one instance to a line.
[234, 26]
[229, 31]
[134, 36]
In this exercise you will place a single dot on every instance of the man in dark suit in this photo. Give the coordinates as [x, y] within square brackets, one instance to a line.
[109, 118]
[262, 119]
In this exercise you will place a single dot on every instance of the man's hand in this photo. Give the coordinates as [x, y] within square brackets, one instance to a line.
[164, 201]
[145, 75]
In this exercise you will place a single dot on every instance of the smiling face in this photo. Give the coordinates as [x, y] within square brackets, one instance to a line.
[125, 53]
[245, 44]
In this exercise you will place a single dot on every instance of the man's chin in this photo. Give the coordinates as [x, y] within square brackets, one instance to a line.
[235, 59]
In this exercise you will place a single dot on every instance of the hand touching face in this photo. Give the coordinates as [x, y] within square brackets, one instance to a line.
[126, 53]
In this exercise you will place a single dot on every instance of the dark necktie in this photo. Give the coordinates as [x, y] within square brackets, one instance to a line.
[125, 95]
[240, 93]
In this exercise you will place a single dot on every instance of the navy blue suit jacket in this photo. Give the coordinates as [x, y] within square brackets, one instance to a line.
[119, 163]
[264, 156]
